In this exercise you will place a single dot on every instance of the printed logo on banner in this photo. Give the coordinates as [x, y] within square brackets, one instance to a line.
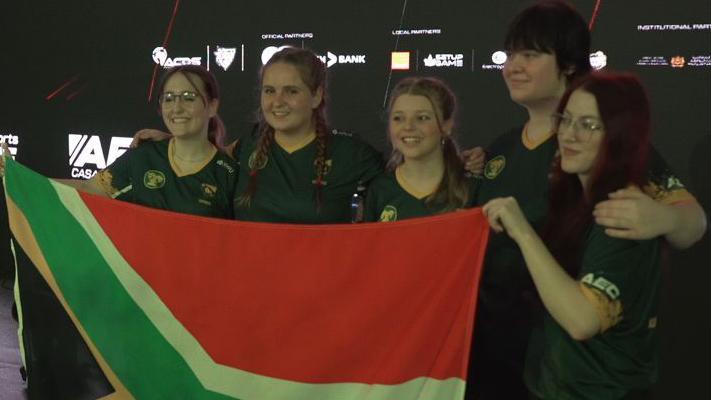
[653, 61]
[224, 56]
[498, 58]
[86, 155]
[674, 27]
[416, 32]
[677, 62]
[699, 61]
[269, 52]
[444, 60]
[160, 57]
[293, 35]
[331, 59]
[400, 60]
[598, 60]
[13, 142]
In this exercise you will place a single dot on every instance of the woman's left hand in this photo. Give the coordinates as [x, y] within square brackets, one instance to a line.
[504, 214]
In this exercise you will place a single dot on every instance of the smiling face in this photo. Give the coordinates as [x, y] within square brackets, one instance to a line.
[414, 128]
[533, 78]
[580, 134]
[184, 106]
[287, 103]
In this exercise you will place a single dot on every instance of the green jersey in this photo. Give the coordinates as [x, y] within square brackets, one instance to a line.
[285, 184]
[504, 310]
[147, 175]
[512, 169]
[623, 357]
[387, 200]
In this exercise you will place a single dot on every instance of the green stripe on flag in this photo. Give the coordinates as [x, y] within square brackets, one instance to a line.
[126, 338]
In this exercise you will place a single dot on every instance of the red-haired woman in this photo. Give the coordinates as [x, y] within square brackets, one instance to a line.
[548, 46]
[600, 293]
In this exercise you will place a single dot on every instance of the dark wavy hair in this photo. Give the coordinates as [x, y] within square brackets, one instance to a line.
[621, 161]
[453, 190]
[195, 74]
[553, 27]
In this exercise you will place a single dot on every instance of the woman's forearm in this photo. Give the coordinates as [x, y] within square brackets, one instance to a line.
[561, 294]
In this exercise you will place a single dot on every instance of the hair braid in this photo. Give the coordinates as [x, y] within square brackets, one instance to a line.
[257, 160]
[320, 160]
[313, 74]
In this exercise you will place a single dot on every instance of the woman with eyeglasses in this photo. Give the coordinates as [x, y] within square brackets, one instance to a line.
[187, 173]
[600, 293]
[425, 175]
[548, 46]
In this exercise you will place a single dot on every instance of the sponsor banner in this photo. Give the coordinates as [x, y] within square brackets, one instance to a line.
[292, 35]
[677, 61]
[12, 140]
[673, 27]
[400, 60]
[700, 61]
[417, 32]
[331, 59]
[655, 61]
[225, 57]
[598, 60]
[498, 58]
[160, 57]
[269, 51]
[443, 60]
[221, 56]
[87, 156]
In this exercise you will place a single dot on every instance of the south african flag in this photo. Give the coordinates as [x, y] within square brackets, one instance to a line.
[122, 301]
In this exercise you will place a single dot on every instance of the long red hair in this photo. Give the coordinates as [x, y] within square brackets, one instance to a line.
[621, 161]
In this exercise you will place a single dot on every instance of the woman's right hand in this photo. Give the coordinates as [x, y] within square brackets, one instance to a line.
[148, 134]
[474, 160]
[504, 214]
[5, 153]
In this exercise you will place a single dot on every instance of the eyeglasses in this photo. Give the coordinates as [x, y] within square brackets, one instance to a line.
[169, 99]
[583, 127]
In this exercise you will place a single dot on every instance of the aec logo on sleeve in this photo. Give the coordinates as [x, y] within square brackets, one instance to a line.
[86, 155]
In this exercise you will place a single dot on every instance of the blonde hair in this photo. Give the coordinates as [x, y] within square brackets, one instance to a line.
[453, 190]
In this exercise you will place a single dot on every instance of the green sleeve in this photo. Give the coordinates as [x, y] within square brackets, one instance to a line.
[369, 162]
[616, 267]
[662, 184]
[372, 208]
[116, 179]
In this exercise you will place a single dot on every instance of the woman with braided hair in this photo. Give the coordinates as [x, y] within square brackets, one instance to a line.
[296, 170]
